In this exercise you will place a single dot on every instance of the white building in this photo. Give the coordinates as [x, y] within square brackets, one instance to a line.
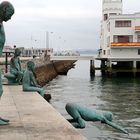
[120, 34]
[36, 52]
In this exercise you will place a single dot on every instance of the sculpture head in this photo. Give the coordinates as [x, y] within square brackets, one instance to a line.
[6, 11]
[17, 52]
[108, 115]
[30, 65]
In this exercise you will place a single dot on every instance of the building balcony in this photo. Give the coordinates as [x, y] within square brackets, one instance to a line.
[137, 28]
[124, 44]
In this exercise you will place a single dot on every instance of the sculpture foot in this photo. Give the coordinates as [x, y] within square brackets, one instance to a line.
[71, 120]
[3, 122]
[47, 97]
[20, 82]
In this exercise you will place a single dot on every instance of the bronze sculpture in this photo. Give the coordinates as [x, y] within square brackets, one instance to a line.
[80, 114]
[16, 72]
[6, 12]
[29, 82]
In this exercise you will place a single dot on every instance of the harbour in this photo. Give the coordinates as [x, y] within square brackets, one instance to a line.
[120, 95]
[52, 91]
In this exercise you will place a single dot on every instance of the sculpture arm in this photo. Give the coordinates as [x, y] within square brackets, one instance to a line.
[12, 64]
[33, 80]
[1, 39]
[1, 48]
[116, 126]
[19, 64]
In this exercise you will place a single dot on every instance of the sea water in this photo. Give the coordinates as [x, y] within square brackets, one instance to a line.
[120, 95]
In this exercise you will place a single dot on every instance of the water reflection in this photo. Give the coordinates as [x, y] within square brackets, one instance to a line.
[121, 96]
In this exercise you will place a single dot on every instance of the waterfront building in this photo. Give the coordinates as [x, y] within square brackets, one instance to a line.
[120, 37]
[28, 52]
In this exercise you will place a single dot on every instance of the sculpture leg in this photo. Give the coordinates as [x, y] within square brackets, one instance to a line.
[71, 120]
[5, 120]
[80, 123]
[72, 110]
[41, 91]
[2, 121]
[1, 89]
[19, 77]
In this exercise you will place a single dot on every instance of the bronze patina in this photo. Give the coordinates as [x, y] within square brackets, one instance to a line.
[80, 114]
[16, 72]
[6, 12]
[29, 81]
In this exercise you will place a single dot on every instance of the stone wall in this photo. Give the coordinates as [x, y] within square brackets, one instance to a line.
[47, 72]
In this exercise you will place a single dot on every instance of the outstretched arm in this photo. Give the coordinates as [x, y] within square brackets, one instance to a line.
[116, 126]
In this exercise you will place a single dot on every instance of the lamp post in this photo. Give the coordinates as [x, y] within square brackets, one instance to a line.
[47, 39]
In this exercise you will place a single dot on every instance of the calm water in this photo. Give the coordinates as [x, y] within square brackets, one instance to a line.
[121, 96]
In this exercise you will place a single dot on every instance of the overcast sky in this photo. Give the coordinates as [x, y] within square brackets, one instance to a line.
[72, 24]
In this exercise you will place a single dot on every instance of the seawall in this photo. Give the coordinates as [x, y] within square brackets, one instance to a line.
[48, 71]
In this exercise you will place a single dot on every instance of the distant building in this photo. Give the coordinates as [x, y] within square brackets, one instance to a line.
[8, 49]
[120, 35]
[27, 52]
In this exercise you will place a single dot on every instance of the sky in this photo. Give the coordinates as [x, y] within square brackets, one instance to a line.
[65, 24]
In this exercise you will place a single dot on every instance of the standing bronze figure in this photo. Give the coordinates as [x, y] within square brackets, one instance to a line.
[6, 12]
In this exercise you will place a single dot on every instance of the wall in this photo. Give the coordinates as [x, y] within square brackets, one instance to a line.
[47, 72]
[125, 53]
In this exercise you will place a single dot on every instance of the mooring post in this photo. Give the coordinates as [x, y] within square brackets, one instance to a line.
[103, 66]
[134, 68]
[110, 68]
[92, 68]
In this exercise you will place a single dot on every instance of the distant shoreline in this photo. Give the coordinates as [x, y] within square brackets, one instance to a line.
[88, 51]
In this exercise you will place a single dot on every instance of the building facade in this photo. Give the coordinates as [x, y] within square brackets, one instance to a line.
[28, 52]
[120, 35]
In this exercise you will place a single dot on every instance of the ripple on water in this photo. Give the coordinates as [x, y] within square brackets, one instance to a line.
[121, 96]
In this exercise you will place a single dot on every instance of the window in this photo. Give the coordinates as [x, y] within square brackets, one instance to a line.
[138, 39]
[126, 23]
[104, 52]
[138, 51]
[108, 52]
[111, 14]
[108, 27]
[128, 38]
[105, 17]
[108, 41]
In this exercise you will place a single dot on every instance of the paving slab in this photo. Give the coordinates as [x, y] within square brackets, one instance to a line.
[32, 118]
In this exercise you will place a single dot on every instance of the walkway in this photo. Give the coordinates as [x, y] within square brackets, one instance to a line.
[32, 118]
[72, 57]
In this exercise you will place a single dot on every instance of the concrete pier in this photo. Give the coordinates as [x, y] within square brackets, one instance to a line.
[32, 118]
